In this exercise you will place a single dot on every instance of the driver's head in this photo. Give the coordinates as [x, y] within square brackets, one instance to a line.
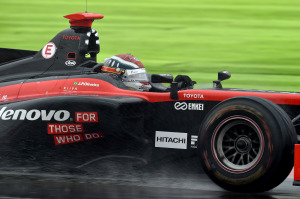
[130, 69]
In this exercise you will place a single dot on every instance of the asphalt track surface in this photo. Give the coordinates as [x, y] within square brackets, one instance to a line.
[123, 181]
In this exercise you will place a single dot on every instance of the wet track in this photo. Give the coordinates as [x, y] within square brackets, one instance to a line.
[23, 186]
[123, 181]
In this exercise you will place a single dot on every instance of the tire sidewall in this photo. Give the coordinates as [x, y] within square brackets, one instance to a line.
[270, 129]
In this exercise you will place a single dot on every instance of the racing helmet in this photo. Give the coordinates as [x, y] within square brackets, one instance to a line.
[130, 69]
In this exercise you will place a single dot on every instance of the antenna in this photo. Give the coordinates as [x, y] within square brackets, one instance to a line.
[85, 6]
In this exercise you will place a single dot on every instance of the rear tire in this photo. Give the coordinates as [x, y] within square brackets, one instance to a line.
[246, 144]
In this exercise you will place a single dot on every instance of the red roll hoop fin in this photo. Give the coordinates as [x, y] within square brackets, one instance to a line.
[83, 19]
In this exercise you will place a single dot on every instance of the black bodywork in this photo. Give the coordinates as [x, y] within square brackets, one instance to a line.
[39, 94]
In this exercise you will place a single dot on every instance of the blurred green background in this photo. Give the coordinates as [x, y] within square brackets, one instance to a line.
[258, 41]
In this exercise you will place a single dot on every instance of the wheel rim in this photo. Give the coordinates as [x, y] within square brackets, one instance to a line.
[237, 144]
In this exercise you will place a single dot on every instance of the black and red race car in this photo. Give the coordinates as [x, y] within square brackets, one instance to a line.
[58, 106]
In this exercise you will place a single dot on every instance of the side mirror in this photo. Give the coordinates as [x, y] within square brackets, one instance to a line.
[161, 78]
[222, 75]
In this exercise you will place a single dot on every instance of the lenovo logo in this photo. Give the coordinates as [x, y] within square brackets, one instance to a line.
[34, 114]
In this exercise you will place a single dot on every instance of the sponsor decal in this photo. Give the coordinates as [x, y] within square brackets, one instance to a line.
[71, 133]
[86, 117]
[63, 133]
[67, 139]
[136, 59]
[72, 138]
[4, 97]
[189, 106]
[85, 84]
[193, 96]
[70, 88]
[70, 63]
[49, 50]
[92, 136]
[136, 71]
[180, 105]
[174, 140]
[34, 114]
[64, 128]
[194, 141]
[67, 37]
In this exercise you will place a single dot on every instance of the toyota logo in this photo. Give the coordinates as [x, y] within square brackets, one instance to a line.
[180, 106]
[70, 63]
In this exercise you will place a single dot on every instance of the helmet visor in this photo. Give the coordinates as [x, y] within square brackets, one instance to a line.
[136, 79]
[135, 75]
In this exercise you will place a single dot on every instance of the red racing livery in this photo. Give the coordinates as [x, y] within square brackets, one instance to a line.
[60, 107]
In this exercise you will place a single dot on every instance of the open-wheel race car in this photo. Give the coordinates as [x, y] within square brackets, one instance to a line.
[60, 105]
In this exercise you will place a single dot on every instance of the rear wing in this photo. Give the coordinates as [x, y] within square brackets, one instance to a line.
[7, 54]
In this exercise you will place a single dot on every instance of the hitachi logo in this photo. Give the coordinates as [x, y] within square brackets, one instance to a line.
[172, 140]
[34, 114]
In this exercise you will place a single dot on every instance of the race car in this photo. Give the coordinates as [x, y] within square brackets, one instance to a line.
[59, 105]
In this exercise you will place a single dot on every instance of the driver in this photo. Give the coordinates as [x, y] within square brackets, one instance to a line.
[130, 69]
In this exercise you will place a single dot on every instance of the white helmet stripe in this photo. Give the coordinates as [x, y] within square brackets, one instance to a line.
[125, 62]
